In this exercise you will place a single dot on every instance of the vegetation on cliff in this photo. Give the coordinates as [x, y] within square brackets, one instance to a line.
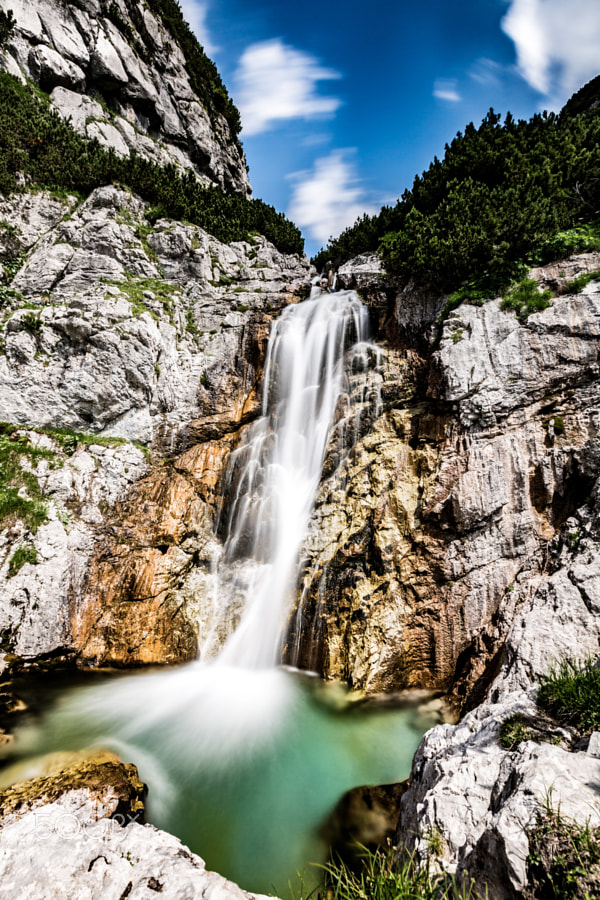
[571, 694]
[204, 77]
[496, 201]
[39, 148]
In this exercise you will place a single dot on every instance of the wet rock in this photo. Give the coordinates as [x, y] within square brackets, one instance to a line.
[429, 539]
[101, 781]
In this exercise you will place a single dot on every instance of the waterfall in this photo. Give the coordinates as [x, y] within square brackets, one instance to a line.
[245, 758]
[274, 475]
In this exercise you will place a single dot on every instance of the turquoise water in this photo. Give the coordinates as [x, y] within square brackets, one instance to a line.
[243, 765]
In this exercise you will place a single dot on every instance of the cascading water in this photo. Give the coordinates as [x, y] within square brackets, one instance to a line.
[274, 475]
[244, 759]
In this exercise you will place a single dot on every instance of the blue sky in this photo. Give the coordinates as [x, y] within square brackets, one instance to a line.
[344, 102]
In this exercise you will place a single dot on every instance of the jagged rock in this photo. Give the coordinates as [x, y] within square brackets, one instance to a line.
[88, 841]
[141, 74]
[152, 364]
[99, 778]
[481, 799]
[49, 69]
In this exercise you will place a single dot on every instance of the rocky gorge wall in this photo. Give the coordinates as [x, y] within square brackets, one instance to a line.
[146, 338]
[484, 450]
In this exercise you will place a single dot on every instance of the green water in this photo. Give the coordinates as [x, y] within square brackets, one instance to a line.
[244, 766]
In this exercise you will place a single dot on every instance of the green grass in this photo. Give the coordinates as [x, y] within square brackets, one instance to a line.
[70, 440]
[17, 454]
[26, 553]
[570, 693]
[576, 285]
[526, 298]
[134, 289]
[564, 859]
[380, 876]
[513, 732]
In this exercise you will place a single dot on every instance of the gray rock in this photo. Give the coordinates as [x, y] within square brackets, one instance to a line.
[142, 76]
[49, 69]
[482, 799]
[67, 849]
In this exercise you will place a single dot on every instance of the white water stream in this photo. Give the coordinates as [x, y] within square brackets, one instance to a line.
[244, 760]
[275, 473]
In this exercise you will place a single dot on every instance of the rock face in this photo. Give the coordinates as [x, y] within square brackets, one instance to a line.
[81, 836]
[482, 800]
[155, 335]
[485, 448]
[119, 74]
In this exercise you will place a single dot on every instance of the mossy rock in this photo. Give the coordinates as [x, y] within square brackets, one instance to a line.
[115, 785]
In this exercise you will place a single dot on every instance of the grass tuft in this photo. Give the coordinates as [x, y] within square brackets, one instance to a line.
[26, 553]
[570, 693]
[513, 732]
[526, 298]
[381, 875]
[563, 861]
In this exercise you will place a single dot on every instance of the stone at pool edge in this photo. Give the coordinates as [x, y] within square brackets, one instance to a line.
[76, 831]
[114, 786]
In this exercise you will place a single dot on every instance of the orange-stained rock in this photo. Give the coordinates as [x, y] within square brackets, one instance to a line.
[131, 611]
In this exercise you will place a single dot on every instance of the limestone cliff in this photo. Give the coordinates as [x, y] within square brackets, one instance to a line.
[119, 333]
[485, 448]
[119, 73]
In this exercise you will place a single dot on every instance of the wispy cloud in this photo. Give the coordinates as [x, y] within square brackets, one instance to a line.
[328, 198]
[194, 12]
[487, 72]
[446, 89]
[557, 43]
[275, 82]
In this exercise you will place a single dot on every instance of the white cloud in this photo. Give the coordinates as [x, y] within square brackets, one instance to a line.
[487, 72]
[557, 43]
[194, 13]
[329, 198]
[445, 89]
[275, 82]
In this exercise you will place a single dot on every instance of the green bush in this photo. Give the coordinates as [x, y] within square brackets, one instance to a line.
[526, 298]
[571, 694]
[580, 239]
[26, 553]
[37, 143]
[503, 195]
[7, 27]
